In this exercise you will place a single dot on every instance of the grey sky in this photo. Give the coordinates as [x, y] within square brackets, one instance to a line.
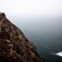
[17, 9]
[31, 7]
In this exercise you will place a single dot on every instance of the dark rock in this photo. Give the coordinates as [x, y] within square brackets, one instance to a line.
[14, 46]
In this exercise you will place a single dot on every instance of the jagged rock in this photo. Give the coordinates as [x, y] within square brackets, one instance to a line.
[14, 46]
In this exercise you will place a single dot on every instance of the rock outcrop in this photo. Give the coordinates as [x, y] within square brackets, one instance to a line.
[14, 46]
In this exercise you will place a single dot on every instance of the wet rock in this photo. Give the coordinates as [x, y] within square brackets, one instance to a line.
[14, 46]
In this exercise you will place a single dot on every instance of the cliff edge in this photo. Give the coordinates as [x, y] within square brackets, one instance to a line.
[14, 46]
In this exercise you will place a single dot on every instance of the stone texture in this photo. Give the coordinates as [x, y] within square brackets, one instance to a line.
[14, 46]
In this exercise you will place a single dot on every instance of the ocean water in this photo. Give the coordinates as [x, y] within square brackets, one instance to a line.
[45, 33]
[47, 45]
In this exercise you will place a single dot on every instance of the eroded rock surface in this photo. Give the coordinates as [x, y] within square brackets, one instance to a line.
[14, 46]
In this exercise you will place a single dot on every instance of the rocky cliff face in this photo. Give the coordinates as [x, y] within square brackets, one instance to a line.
[14, 46]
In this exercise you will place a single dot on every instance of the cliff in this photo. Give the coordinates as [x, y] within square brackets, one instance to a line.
[14, 46]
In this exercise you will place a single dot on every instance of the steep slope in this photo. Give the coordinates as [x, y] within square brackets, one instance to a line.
[14, 46]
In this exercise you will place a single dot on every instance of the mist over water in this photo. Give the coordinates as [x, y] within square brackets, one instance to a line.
[44, 32]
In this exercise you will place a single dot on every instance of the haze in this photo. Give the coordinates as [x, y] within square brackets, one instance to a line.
[31, 7]
[34, 14]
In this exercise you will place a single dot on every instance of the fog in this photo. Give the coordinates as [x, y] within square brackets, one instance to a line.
[38, 23]
[41, 23]
[34, 15]
[31, 7]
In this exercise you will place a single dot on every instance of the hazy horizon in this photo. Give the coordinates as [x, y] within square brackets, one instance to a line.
[40, 21]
